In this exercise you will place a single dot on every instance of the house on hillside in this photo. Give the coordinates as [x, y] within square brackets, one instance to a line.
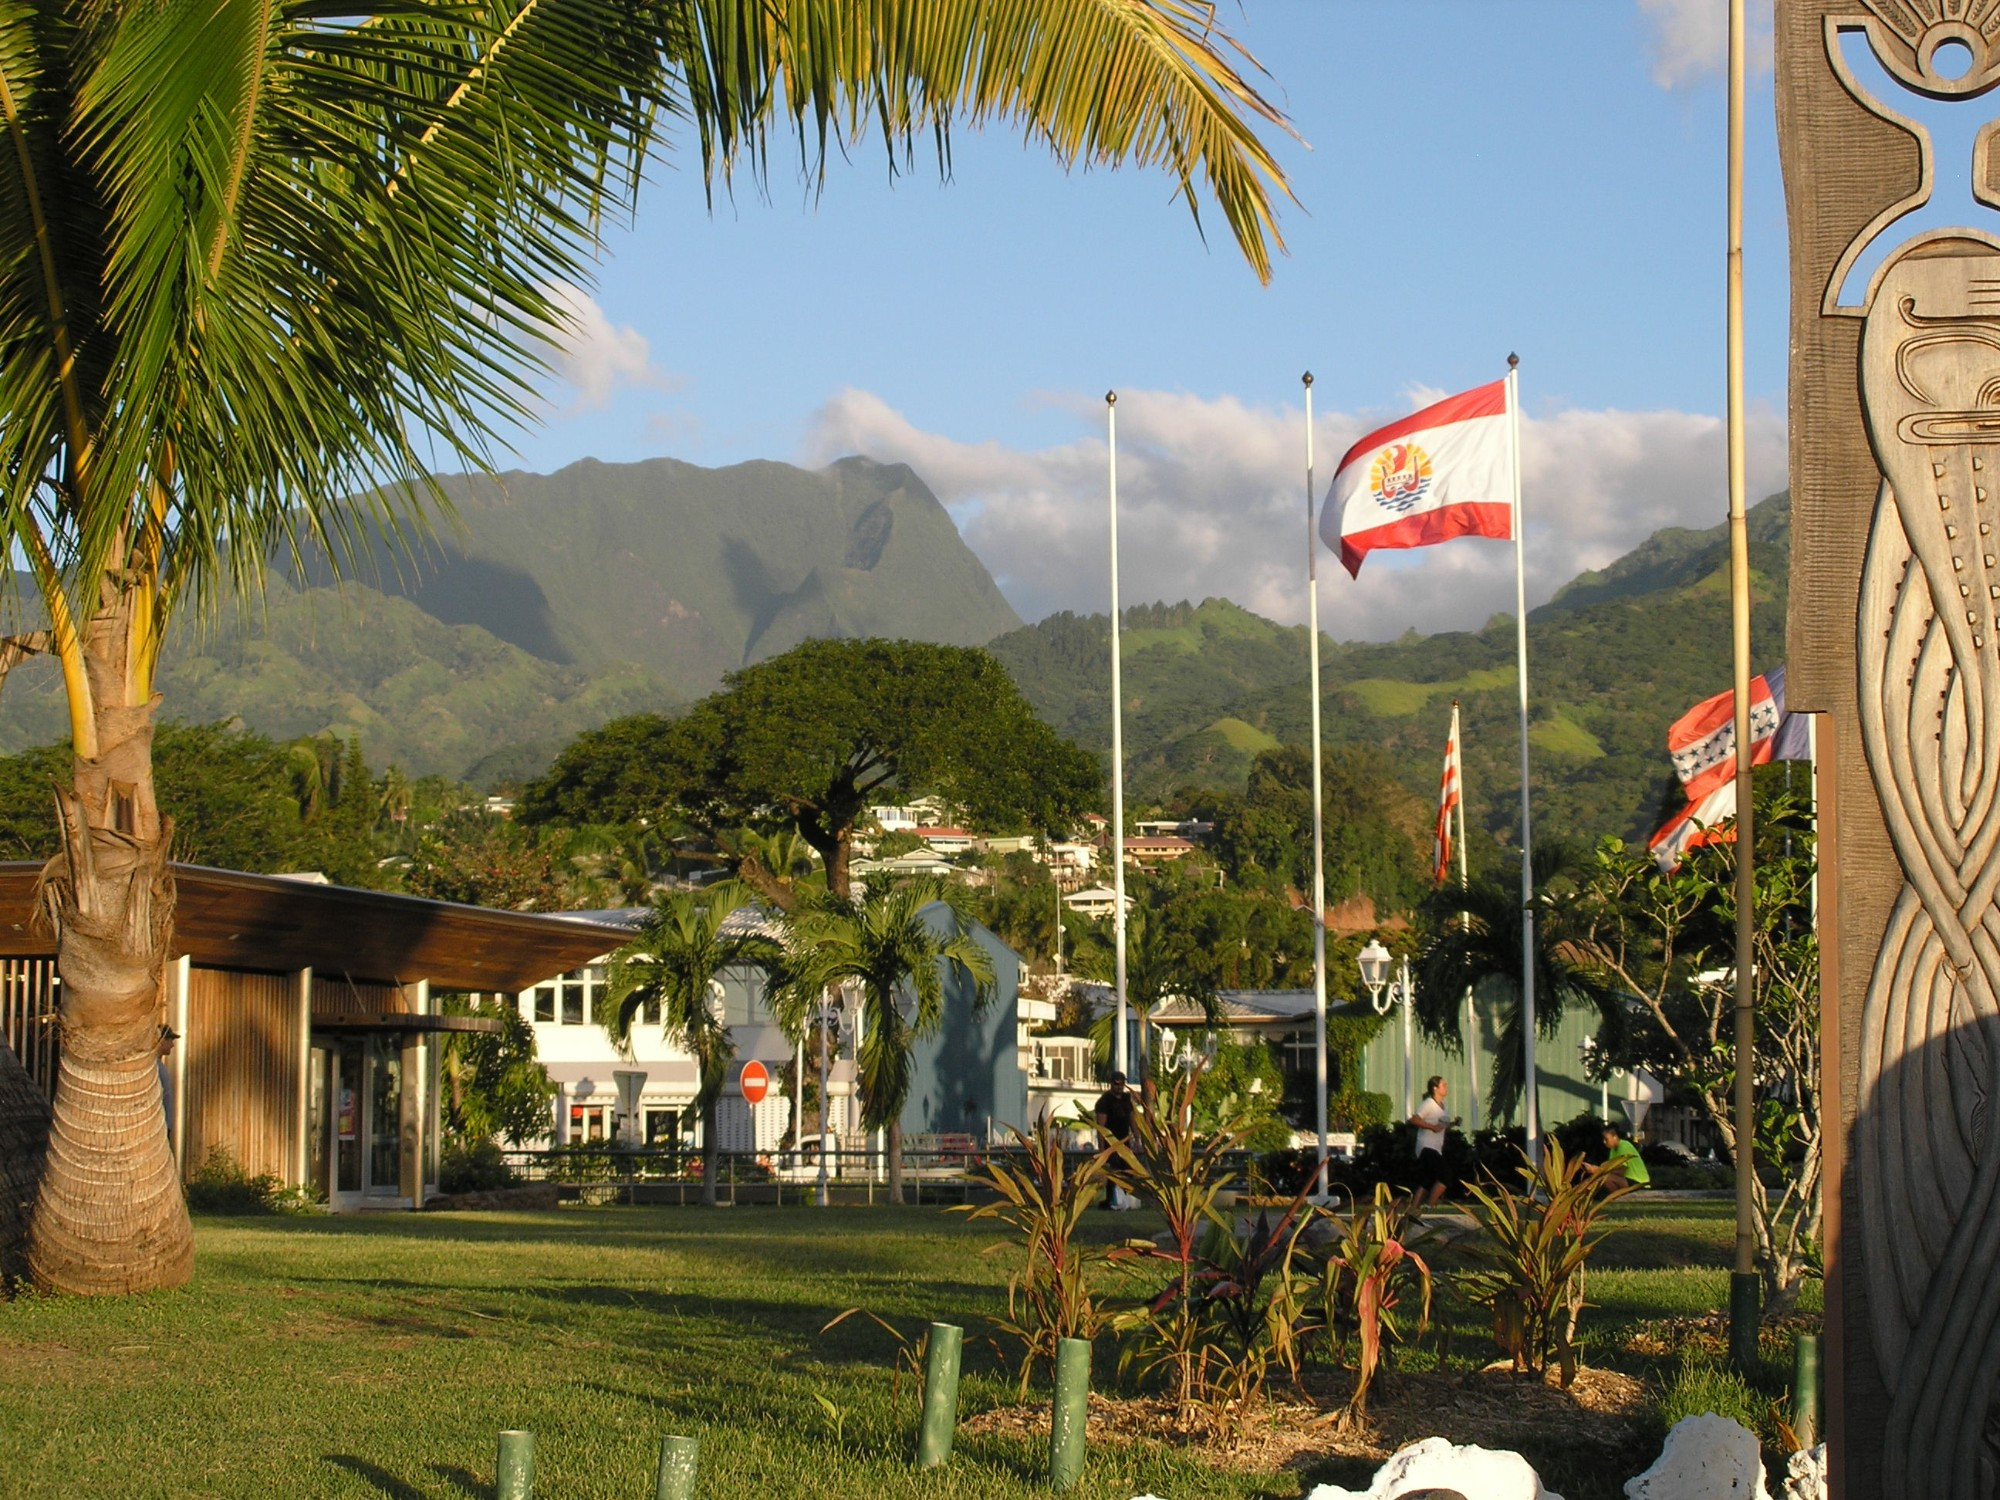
[311, 1019]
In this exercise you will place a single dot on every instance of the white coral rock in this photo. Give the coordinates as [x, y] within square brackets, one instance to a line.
[1705, 1458]
[1435, 1464]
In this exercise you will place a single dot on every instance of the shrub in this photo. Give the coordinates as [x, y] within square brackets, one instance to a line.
[221, 1186]
[477, 1167]
[1543, 1237]
[1362, 1282]
[1044, 1193]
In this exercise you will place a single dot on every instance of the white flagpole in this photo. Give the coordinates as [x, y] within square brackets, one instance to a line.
[1319, 813]
[1532, 1115]
[1120, 1047]
[1471, 1010]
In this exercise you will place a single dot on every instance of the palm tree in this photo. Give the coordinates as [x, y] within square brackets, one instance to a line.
[1154, 973]
[676, 961]
[262, 265]
[897, 942]
[1473, 934]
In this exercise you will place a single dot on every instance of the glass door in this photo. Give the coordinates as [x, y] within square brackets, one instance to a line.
[385, 1117]
[346, 1079]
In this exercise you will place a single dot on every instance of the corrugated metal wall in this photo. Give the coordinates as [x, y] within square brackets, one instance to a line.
[28, 1005]
[243, 1084]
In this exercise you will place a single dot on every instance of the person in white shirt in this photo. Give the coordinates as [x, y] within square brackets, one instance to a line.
[1431, 1122]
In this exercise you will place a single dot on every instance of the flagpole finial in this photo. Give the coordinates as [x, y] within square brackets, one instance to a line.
[1110, 398]
[1513, 361]
[1308, 378]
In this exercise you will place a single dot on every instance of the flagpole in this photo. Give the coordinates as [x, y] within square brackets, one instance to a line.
[1319, 810]
[1465, 920]
[1743, 1287]
[1119, 1046]
[1531, 1113]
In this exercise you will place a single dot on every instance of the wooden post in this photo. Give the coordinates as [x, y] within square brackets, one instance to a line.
[1069, 1418]
[303, 981]
[514, 1472]
[177, 1000]
[940, 1414]
[679, 1458]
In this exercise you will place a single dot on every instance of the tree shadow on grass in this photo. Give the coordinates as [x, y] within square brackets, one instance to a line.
[376, 1475]
[463, 1480]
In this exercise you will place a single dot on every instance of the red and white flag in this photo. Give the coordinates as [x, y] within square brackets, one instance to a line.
[1702, 742]
[1696, 824]
[1448, 795]
[1446, 471]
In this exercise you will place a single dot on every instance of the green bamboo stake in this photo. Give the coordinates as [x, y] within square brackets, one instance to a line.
[940, 1418]
[1070, 1417]
[514, 1473]
[1805, 1389]
[678, 1458]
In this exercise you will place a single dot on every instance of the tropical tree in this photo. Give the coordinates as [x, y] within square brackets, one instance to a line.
[263, 265]
[676, 961]
[1669, 941]
[898, 943]
[802, 742]
[1472, 936]
[493, 1083]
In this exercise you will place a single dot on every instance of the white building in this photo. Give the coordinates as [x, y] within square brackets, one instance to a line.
[1095, 901]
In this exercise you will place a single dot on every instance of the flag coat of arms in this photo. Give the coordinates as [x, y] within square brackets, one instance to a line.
[1443, 472]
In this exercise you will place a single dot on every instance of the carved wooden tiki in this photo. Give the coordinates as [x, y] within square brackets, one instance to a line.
[1885, 109]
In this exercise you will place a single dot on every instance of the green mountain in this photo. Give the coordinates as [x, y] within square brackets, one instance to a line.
[1614, 658]
[689, 573]
[558, 601]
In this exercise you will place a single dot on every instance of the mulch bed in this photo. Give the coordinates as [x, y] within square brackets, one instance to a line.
[1493, 1407]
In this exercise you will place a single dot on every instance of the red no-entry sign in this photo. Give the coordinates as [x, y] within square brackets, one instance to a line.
[755, 1082]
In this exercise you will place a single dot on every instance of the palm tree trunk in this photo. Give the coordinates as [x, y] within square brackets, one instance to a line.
[895, 1161]
[711, 1148]
[111, 1216]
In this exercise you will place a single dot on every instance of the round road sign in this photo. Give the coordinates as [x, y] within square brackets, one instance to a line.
[755, 1082]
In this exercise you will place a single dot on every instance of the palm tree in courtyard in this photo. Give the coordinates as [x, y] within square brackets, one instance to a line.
[676, 961]
[1473, 934]
[263, 266]
[898, 942]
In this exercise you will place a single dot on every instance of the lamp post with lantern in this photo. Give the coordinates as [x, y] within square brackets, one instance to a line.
[830, 1019]
[1386, 989]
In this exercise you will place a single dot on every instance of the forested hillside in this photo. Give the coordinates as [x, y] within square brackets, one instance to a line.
[1614, 658]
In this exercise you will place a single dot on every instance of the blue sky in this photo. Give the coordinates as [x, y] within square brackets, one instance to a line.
[1473, 178]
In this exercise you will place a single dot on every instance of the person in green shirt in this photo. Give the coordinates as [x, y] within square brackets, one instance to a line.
[1623, 1154]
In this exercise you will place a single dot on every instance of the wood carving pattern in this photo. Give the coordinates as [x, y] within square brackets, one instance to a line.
[1925, 276]
[1928, 1144]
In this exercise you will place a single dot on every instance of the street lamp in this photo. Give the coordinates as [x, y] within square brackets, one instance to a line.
[1385, 991]
[830, 1020]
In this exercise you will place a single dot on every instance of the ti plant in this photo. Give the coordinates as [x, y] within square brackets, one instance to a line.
[1363, 1282]
[1544, 1236]
[1182, 1172]
[1044, 1193]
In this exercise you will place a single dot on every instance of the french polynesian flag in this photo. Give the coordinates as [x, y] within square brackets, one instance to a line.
[1443, 472]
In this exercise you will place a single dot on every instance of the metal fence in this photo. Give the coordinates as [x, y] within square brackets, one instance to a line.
[856, 1175]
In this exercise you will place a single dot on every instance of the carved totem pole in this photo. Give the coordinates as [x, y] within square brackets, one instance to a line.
[1888, 113]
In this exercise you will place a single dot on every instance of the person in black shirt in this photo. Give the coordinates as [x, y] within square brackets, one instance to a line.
[1113, 1112]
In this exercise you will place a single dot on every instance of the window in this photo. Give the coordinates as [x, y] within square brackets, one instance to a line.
[545, 1002]
[572, 998]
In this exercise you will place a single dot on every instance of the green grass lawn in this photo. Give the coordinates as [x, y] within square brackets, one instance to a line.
[379, 1356]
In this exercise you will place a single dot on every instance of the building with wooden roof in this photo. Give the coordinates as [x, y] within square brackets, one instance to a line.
[310, 1018]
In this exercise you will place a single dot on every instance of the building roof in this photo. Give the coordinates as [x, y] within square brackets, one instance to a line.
[226, 919]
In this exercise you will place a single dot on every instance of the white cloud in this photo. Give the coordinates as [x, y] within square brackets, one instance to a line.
[1690, 38]
[1212, 502]
[598, 356]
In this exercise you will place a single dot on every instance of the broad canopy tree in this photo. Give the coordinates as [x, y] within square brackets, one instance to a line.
[809, 739]
[262, 265]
